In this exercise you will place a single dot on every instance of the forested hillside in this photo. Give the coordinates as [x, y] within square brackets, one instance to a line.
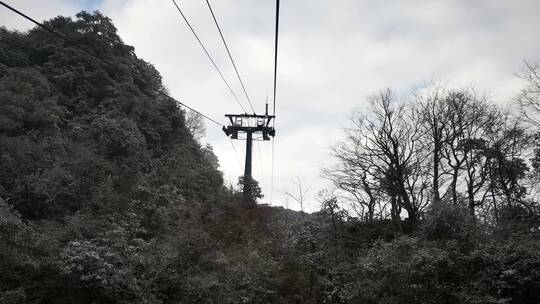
[106, 196]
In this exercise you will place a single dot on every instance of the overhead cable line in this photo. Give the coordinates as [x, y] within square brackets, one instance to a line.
[272, 174]
[209, 56]
[275, 86]
[55, 33]
[230, 56]
[276, 53]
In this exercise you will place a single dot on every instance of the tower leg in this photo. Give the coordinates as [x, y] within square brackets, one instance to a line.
[248, 180]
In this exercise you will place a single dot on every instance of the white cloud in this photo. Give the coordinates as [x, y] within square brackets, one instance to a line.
[332, 55]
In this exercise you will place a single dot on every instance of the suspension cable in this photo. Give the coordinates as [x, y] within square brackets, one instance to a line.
[276, 54]
[275, 86]
[209, 56]
[230, 56]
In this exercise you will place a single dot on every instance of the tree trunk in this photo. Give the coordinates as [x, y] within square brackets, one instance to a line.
[436, 160]
[470, 192]
[396, 218]
[453, 186]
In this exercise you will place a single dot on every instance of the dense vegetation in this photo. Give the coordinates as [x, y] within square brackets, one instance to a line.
[106, 196]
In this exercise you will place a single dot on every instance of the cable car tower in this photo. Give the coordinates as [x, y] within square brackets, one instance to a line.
[250, 125]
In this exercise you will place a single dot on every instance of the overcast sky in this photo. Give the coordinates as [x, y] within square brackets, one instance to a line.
[332, 55]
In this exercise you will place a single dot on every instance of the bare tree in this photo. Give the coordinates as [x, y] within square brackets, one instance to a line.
[355, 177]
[529, 104]
[529, 98]
[432, 110]
[380, 159]
[473, 146]
[393, 138]
[508, 145]
[469, 118]
[441, 144]
[330, 205]
[300, 193]
[195, 125]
